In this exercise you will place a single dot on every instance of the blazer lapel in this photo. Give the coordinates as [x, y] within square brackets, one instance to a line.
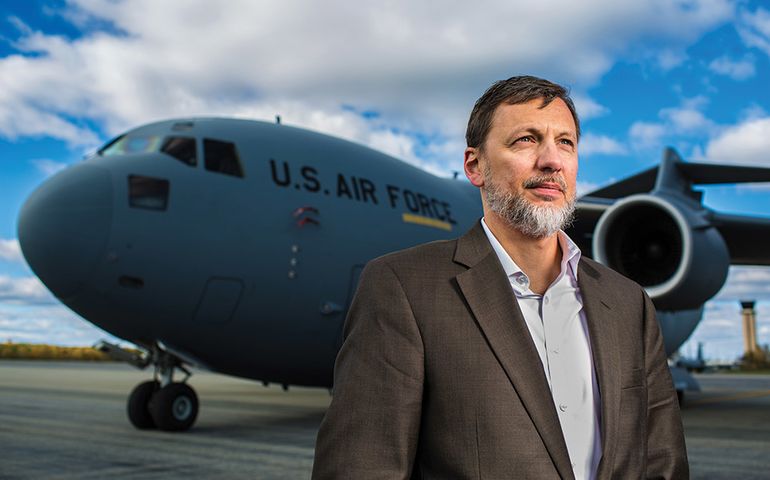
[489, 295]
[606, 357]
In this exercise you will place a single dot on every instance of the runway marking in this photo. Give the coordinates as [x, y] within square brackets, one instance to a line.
[728, 398]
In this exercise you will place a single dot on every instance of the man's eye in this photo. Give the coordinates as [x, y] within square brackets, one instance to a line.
[528, 138]
[566, 141]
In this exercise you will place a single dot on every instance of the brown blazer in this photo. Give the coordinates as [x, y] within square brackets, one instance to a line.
[438, 377]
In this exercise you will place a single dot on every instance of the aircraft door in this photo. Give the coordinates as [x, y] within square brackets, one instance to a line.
[219, 300]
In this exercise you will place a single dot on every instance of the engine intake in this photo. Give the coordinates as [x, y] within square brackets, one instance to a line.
[668, 248]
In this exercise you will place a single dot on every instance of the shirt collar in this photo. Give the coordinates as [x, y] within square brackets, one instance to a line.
[520, 282]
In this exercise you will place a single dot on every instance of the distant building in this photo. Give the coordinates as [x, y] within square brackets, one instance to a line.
[750, 345]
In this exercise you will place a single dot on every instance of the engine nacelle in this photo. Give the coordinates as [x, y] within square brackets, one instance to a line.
[665, 246]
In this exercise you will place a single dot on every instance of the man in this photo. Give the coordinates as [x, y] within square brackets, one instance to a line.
[504, 353]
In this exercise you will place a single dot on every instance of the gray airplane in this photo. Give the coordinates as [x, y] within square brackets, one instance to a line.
[236, 245]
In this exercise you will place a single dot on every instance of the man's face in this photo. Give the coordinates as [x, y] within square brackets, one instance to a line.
[527, 168]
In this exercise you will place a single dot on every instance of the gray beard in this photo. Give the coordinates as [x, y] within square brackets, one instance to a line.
[536, 221]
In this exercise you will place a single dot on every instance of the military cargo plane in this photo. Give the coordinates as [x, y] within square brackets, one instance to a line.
[236, 245]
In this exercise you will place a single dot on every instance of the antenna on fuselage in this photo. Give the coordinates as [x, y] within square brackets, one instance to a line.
[277, 119]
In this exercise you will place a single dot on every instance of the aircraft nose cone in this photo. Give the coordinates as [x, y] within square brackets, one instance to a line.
[64, 226]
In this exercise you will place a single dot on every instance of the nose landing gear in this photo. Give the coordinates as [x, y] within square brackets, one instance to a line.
[160, 403]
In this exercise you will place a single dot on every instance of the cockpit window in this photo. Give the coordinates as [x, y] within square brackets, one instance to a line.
[221, 157]
[181, 148]
[148, 192]
[131, 144]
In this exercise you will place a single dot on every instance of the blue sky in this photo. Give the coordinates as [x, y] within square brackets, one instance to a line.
[398, 76]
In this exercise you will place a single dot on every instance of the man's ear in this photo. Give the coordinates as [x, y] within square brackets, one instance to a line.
[472, 167]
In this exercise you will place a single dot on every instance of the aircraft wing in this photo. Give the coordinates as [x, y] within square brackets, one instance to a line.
[689, 174]
[747, 238]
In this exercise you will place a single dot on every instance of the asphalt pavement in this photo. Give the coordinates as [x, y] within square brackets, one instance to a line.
[67, 420]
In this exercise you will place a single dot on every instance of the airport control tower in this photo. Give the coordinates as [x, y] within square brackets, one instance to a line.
[750, 345]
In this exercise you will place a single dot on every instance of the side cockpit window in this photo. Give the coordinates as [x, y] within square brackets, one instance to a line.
[148, 192]
[221, 157]
[131, 144]
[181, 148]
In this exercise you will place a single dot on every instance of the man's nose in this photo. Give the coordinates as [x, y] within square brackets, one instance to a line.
[549, 158]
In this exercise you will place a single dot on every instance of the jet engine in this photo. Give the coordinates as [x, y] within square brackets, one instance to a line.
[665, 245]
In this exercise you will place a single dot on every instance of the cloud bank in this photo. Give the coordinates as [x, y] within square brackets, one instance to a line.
[419, 67]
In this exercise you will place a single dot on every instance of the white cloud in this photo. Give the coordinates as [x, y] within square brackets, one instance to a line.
[687, 118]
[440, 170]
[420, 67]
[52, 324]
[754, 29]
[48, 167]
[392, 143]
[753, 112]
[24, 291]
[587, 107]
[746, 143]
[737, 70]
[646, 134]
[444, 157]
[752, 283]
[684, 120]
[668, 59]
[592, 144]
[10, 250]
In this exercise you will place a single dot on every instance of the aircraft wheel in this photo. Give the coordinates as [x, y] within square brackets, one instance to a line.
[138, 402]
[174, 407]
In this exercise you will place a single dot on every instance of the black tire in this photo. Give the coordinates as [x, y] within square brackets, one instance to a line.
[174, 407]
[138, 405]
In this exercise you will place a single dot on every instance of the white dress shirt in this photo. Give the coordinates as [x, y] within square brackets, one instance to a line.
[557, 323]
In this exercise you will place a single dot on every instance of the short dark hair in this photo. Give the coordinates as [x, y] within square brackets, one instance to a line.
[515, 90]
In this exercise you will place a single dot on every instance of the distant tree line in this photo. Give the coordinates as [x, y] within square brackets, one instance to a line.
[31, 351]
[756, 360]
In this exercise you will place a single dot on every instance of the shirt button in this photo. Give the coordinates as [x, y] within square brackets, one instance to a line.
[555, 350]
[545, 299]
[563, 407]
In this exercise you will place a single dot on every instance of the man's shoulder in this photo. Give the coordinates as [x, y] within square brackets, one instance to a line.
[426, 264]
[431, 253]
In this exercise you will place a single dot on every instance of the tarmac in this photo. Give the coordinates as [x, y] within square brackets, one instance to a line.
[67, 420]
